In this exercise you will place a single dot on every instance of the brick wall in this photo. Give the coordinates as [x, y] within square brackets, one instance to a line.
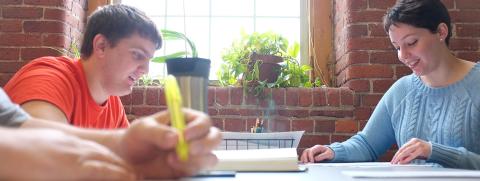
[365, 60]
[365, 66]
[31, 28]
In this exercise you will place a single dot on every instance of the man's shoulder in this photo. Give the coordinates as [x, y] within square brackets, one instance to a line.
[49, 61]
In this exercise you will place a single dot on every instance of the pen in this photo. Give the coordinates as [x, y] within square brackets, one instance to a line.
[174, 104]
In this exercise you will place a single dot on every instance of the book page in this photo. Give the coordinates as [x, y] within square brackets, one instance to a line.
[281, 159]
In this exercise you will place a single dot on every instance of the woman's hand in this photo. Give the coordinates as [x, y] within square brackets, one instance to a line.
[316, 153]
[413, 149]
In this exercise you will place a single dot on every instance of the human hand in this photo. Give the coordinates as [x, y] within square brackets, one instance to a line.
[415, 148]
[149, 144]
[316, 153]
[53, 155]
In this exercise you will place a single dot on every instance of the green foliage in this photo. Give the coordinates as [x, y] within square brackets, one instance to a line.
[72, 51]
[173, 35]
[234, 69]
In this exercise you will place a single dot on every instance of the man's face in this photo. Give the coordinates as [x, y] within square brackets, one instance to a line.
[124, 63]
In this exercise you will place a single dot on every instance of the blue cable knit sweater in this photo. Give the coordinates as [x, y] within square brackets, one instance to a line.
[448, 117]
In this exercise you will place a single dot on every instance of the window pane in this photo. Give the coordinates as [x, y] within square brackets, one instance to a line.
[224, 32]
[278, 8]
[150, 7]
[192, 7]
[232, 7]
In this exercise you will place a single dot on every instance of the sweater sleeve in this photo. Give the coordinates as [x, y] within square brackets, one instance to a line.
[454, 157]
[371, 142]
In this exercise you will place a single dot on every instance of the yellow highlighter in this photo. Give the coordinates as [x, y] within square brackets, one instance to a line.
[174, 103]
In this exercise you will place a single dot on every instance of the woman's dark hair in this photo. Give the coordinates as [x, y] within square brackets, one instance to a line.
[116, 22]
[426, 14]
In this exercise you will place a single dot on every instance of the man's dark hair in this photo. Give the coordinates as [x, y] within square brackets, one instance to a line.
[116, 22]
[426, 14]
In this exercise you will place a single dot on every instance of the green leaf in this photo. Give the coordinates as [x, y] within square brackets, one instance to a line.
[162, 59]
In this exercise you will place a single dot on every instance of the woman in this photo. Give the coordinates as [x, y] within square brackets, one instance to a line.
[433, 114]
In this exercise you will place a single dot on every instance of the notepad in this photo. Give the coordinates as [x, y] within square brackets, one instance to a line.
[279, 159]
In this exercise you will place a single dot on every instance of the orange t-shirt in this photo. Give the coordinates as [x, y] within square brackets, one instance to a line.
[61, 82]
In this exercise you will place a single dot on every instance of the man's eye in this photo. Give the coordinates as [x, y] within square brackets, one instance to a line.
[412, 43]
[137, 56]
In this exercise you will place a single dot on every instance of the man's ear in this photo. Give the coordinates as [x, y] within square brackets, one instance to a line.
[100, 43]
[442, 31]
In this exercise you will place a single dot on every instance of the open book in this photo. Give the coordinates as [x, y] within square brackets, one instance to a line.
[279, 159]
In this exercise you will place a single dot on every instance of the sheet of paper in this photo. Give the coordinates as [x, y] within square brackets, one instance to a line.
[368, 165]
[413, 174]
[281, 159]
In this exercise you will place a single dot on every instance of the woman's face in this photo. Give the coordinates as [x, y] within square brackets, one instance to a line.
[417, 48]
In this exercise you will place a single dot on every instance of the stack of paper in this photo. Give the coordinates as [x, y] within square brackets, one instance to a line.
[281, 159]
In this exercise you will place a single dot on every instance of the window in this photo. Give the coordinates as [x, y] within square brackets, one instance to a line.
[214, 24]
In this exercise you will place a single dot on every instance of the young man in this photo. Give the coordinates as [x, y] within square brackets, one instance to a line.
[146, 149]
[118, 42]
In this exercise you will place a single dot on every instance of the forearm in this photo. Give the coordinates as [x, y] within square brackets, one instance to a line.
[108, 138]
[454, 157]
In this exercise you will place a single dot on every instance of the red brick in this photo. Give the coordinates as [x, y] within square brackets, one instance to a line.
[152, 95]
[212, 112]
[294, 113]
[466, 44]
[57, 40]
[371, 99]
[10, 25]
[221, 95]
[387, 156]
[470, 56]
[351, 58]
[138, 95]
[12, 54]
[265, 100]
[346, 96]
[55, 14]
[308, 141]
[357, 31]
[467, 4]
[401, 71]
[44, 26]
[161, 97]
[126, 100]
[369, 71]
[250, 112]
[365, 16]
[211, 96]
[362, 124]
[340, 138]
[10, 67]
[380, 4]
[362, 113]
[468, 30]
[22, 12]
[328, 113]
[229, 111]
[10, 2]
[356, 4]
[33, 53]
[145, 111]
[346, 126]
[305, 97]
[291, 96]
[319, 96]
[9, 39]
[333, 96]
[302, 125]
[381, 86]
[324, 126]
[465, 16]
[4, 78]
[236, 95]
[218, 122]
[358, 85]
[279, 125]
[389, 57]
[236, 125]
[375, 43]
[278, 95]
[376, 30]
[58, 3]
[251, 99]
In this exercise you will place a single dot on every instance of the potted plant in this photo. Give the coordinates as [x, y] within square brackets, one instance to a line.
[261, 60]
[191, 72]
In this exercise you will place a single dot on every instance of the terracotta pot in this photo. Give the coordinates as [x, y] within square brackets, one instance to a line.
[269, 67]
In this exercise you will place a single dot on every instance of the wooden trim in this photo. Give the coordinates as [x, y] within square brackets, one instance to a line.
[94, 4]
[321, 40]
